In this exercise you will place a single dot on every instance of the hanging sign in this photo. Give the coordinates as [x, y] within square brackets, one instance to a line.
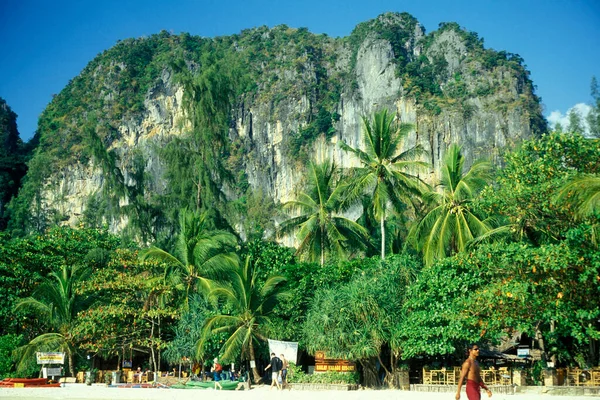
[523, 352]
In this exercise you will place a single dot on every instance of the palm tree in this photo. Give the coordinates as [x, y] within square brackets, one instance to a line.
[385, 172]
[56, 303]
[200, 253]
[451, 224]
[583, 192]
[321, 227]
[250, 305]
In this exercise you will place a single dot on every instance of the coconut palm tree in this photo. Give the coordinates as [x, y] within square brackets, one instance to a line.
[386, 172]
[321, 227]
[583, 192]
[451, 224]
[200, 253]
[56, 303]
[251, 305]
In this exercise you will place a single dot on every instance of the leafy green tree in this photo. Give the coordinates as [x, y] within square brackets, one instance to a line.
[354, 320]
[386, 172]
[583, 194]
[593, 118]
[526, 186]
[132, 311]
[250, 306]
[201, 252]
[57, 303]
[585, 191]
[575, 122]
[558, 128]
[188, 331]
[25, 262]
[548, 292]
[12, 159]
[321, 227]
[452, 223]
[8, 343]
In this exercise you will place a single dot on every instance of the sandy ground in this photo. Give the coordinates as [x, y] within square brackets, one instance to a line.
[101, 392]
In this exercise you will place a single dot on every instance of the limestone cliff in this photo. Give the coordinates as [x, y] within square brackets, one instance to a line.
[300, 95]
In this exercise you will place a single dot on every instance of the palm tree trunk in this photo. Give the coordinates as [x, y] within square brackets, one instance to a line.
[322, 247]
[254, 369]
[382, 237]
[152, 350]
[71, 366]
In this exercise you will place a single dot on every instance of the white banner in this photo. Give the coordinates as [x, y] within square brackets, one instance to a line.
[52, 372]
[288, 349]
[50, 358]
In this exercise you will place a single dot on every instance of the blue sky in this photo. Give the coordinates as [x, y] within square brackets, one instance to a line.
[45, 43]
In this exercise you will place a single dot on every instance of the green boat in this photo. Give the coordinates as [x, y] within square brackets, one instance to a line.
[227, 385]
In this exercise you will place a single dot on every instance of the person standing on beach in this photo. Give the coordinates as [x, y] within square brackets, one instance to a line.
[472, 372]
[275, 366]
[284, 370]
[216, 370]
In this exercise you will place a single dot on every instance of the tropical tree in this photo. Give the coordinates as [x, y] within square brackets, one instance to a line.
[56, 303]
[321, 226]
[188, 331]
[593, 117]
[250, 305]
[526, 187]
[549, 292]
[354, 320]
[200, 253]
[452, 223]
[386, 172]
[583, 193]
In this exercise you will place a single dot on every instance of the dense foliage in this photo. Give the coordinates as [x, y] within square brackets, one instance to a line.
[182, 294]
[13, 157]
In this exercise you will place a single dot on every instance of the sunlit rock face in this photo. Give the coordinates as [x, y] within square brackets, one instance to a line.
[490, 118]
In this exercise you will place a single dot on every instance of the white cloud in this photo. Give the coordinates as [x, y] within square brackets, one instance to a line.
[557, 116]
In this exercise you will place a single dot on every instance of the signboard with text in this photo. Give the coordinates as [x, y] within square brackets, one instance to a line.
[323, 364]
[523, 352]
[50, 358]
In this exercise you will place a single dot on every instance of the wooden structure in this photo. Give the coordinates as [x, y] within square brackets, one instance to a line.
[450, 376]
[581, 377]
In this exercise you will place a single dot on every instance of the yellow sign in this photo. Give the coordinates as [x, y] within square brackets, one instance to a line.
[323, 364]
[50, 358]
[19, 385]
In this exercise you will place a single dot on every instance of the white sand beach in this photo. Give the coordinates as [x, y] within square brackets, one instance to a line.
[101, 392]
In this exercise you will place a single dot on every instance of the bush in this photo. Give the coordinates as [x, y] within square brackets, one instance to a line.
[296, 375]
[7, 344]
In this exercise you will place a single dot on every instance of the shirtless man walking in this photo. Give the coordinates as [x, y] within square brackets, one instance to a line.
[472, 372]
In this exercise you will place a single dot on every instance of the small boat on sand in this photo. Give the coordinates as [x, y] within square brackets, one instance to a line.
[26, 382]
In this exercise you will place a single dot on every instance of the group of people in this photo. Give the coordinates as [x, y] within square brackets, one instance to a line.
[470, 372]
[279, 368]
[138, 374]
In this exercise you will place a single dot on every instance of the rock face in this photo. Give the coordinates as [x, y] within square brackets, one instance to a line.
[486, 109]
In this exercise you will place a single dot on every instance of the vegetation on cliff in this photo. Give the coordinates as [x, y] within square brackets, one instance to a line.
[444, 70]
[13, 157]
